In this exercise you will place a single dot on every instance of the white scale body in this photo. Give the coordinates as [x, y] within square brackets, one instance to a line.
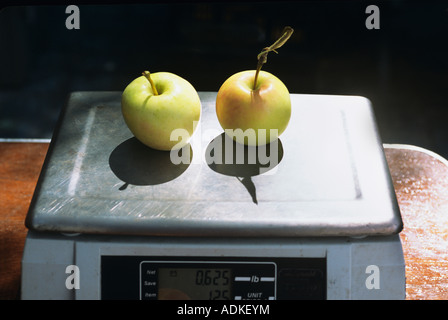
[113, 219]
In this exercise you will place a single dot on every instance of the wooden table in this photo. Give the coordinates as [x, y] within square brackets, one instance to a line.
[420, 179]
[20, 165]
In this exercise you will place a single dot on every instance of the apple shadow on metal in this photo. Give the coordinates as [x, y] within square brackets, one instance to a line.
[136, 164]
[231, 163]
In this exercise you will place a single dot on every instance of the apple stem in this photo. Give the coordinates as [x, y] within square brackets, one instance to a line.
[153, 86]
[263, 55]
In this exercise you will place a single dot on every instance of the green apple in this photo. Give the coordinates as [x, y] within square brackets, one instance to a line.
[155, 105]
[241, 106]
[254, 106]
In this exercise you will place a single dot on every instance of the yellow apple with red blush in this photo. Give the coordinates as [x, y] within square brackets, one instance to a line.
[254, 106]
[262, 113]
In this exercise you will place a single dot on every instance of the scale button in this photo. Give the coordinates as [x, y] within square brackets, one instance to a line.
[242, 279]
[267, 279]
[254, 279]
[254, 296]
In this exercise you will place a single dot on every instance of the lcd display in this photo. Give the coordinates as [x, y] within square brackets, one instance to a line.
[194, 284]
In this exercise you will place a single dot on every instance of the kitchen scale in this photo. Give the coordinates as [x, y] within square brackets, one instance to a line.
[310, 216]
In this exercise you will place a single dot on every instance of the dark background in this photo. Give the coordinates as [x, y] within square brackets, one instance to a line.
[402, 67]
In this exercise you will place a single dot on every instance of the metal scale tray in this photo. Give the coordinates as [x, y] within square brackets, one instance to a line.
[331, 179]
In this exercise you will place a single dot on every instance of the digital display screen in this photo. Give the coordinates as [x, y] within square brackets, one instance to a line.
[228, 278]
[194, 283]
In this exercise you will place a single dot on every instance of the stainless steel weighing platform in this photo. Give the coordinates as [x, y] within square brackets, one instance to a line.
[315, 215]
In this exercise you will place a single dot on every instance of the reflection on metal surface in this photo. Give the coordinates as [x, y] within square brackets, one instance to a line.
[81, 153]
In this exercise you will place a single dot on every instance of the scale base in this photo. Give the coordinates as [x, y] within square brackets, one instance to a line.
[56, 266]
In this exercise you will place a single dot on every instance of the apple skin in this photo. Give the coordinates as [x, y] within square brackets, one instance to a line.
[152, 118]
[268, 107]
